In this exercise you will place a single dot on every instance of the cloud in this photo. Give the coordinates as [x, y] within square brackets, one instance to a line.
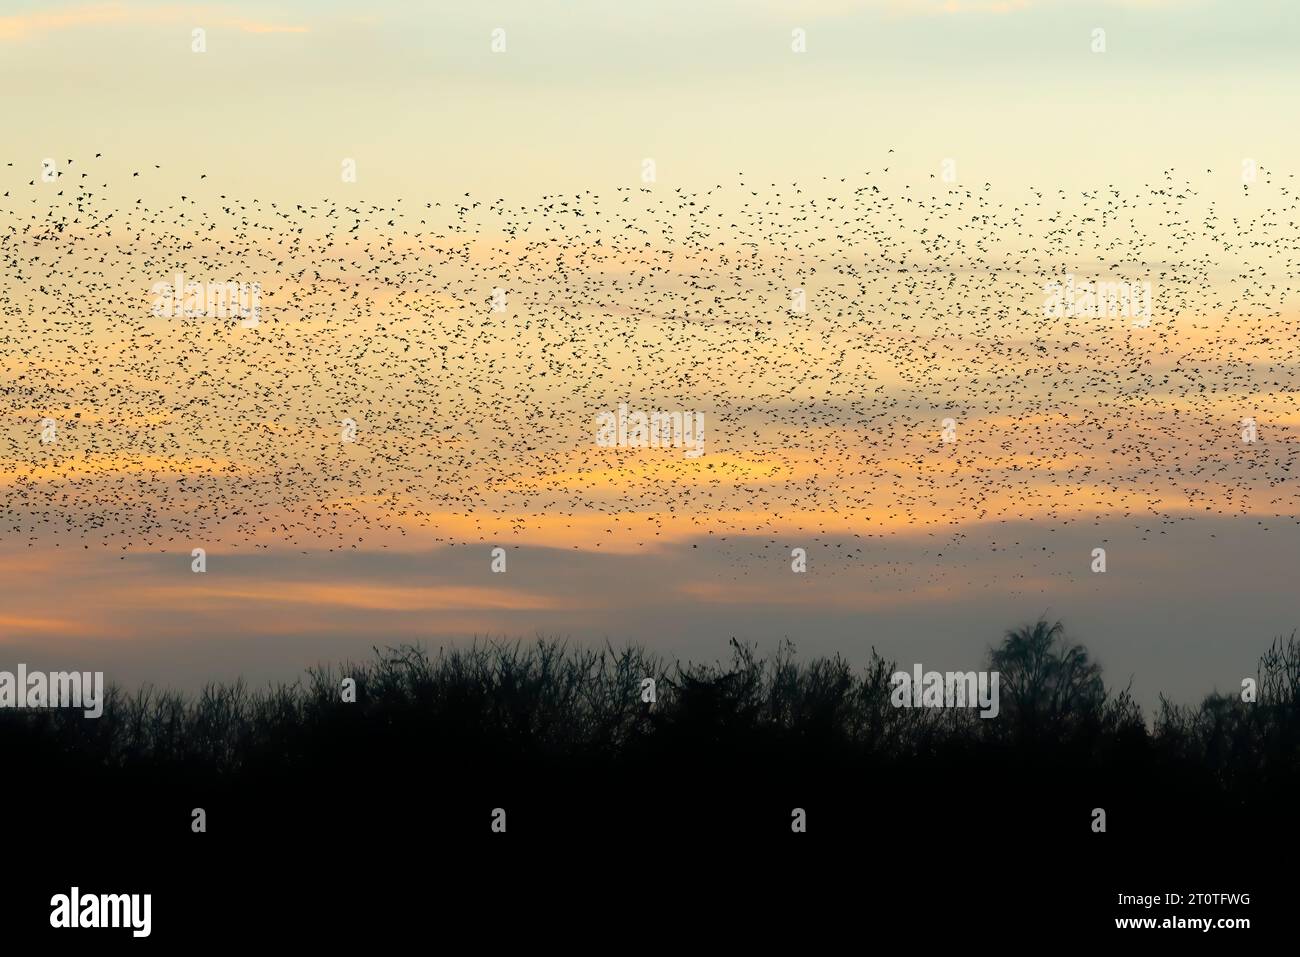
[25, 25]
[365, 597]
[29, 624]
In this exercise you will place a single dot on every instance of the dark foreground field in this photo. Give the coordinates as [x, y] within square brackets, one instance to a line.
[658, 823]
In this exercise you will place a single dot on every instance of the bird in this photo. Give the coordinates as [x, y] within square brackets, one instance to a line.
[825, 330]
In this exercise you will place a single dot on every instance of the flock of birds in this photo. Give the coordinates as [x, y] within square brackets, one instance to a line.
[825, 330]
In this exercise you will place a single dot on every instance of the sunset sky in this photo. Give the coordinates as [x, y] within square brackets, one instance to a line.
[773, 170]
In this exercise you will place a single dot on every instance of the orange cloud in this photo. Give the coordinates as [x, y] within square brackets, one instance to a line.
[367, 597]
[107, 465]
[23, 25]
[20, 623]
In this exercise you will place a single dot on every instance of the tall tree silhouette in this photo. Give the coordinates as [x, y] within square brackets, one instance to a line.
[1044, 680]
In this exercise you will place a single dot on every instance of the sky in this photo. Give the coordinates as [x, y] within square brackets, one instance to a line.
[916, 169]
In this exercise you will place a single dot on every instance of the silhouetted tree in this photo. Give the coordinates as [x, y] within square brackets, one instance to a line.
[1044, 680]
